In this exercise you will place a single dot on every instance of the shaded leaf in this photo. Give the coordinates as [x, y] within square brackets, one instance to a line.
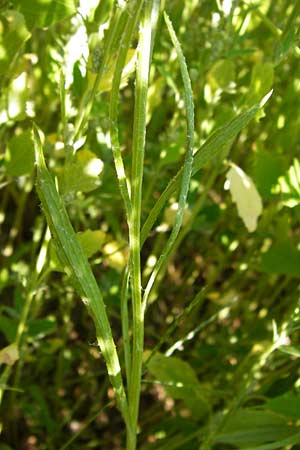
[287, 404]
[19, 155]
[282, 258]
[39, 328]
[8, 327]
[253, 427]
[268, 168]
[180, 382]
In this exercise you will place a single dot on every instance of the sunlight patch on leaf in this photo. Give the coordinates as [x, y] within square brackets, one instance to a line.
[289, 185]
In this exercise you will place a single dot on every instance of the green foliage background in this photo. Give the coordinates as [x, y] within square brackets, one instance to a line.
[222, 327]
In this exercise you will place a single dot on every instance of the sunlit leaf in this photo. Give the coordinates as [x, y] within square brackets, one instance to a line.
[82, 173]
[106, 81]
[286, 42]
[115, 255]
[43, 13]
[289, 185]
[290, 350]
[245, 195]
[221, 75]
[261, 82]
[91, 241]
[13, 35]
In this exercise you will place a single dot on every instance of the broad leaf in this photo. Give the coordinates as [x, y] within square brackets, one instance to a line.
[43, 13]
[82, 173]
[91, 241]
[249, 427]
[245, 195]
[13, 36]
[289, 185]
[180, 382]
[287, 404]
[282, 258]
[19, 155]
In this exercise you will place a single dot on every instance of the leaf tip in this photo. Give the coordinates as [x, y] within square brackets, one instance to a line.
[266, 98]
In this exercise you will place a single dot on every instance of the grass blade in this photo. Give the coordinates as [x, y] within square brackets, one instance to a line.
[77, 266]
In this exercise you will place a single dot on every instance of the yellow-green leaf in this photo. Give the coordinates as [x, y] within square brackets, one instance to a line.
[9, 355]
[245, 195]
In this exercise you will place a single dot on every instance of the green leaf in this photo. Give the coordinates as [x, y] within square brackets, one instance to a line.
[290, 350]
[43, 13]
[267, 170]
[261, 82]
[180, 382]
[282, 258]
[17, 97]
[19, 155]
[178, 377]
[39, 328]
[287, 404]
[249, 427]
[221, 75]
[13, 36]
[286, 42]
[41, 413]
[8, 327]
[91, 241]
[289, 185]
[82, 173]
[216, 145]
[283, 443]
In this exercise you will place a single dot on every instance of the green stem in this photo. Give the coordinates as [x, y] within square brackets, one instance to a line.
[125, 322]
[138, 148]
[188, 164]
[130, 26]
[116, 26]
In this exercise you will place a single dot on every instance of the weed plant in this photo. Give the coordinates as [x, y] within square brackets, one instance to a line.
[121, 122]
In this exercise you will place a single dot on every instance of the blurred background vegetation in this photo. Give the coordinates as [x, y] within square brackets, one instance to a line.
[225, 372]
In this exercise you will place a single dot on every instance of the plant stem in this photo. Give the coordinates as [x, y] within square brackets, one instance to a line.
[138, 147]
[116, 26]
[133, 10]
[188, 164]
[125, 322]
